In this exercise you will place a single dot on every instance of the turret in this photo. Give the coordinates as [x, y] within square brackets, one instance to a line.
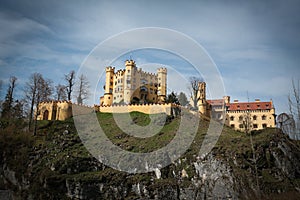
[202, 98]
[109, 81]
[128, 87]
[162, 84]
[226, 99]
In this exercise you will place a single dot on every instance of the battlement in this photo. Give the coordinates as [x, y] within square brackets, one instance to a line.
[130, 63]
[144, 108]
[110, 69]
[162, 70]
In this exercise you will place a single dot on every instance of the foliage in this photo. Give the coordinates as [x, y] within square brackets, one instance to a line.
[7, 106]
[182, 99]
[172, 98]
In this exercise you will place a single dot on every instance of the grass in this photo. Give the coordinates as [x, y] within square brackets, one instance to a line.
[36, 155]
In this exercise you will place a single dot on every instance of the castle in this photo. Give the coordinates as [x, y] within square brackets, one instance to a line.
[54, 110]
[132, 89]
[133, 86]
[240, 116]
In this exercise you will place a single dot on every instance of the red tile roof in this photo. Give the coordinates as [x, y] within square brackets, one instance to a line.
[250, 106]
[216, 102]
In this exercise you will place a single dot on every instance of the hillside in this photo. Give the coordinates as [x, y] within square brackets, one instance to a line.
[55, 164]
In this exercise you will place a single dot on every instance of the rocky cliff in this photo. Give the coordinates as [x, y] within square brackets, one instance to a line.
[55, 165]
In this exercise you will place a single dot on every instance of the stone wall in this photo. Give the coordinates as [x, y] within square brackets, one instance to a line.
[54, 110]
[148, 108]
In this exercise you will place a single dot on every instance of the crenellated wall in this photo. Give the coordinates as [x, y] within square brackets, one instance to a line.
[54, 110]
[144, 108]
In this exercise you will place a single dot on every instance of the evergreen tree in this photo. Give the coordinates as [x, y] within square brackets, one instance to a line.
[7, 106]
[172, 98]
[182, 99]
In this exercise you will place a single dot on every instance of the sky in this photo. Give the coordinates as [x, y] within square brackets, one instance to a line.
[255, 45]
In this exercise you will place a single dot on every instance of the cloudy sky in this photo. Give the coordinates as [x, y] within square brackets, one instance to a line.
[254, 44]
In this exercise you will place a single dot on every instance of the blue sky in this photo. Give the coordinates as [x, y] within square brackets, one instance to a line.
[254, 44]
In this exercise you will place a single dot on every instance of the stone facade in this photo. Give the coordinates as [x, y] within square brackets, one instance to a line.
[148, 108]
[133, 86]
[54, 110]
[261, 115]
[241, 116]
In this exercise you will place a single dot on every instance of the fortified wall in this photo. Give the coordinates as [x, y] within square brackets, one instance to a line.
[62, 110]
[144, 108]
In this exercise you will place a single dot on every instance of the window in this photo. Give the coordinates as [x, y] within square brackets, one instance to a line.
[232, 125]
[254, 117]
[115, 82]
[108, 97]
[111, 77]
[128, 71]
[241, 126]
[231, 118]
[111, 83]
[264, 125]
[254, 125]
[241, 118]
[114, 98]
[263, 117]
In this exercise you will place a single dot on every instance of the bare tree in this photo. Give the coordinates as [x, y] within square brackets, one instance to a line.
[294, 107]
[61, 92]
[82, 90]
[37, 89]
[195, 90]
[7, 106]
[70, 78]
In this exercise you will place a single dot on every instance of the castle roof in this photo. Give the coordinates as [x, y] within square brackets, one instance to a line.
[250, 106]
[216, 102]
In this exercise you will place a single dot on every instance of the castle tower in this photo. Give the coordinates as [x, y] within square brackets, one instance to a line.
[162, 84]
[226, 99]
[109, 81]
[128, 83]
[202, 98]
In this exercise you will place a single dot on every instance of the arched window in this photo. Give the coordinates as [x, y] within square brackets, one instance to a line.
[45, 115]
[263, 117]
[254, 117]
[231, 118]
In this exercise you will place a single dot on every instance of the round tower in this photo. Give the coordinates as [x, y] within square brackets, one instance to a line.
[109, 80]
[162, 85]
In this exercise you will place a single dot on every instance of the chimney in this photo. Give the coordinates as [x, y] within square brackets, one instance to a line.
[235, 101]
[257, 100]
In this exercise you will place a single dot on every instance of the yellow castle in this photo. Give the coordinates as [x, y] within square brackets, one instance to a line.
[255, 115]
[133, 86]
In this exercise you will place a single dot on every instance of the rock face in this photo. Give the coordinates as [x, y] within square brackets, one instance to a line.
[57, 166]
